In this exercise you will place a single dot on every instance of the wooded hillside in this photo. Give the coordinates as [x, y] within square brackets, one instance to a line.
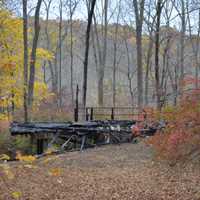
[117, 68]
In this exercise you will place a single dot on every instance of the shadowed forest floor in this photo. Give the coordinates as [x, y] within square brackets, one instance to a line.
[126, 171]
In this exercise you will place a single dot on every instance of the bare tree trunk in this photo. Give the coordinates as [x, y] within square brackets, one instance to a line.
[164, 75]
[115, 55]
[33, 55]
[114, 69]
[139, 23]
[94, 48]
[195, 45]
[53, 78]
[176, 77]
[100, 87]
[56, 76]
[166, 71]
[71, 53]
[100, 70]
[57, 64]
[87, 45]
[149, 55]
[48, 44]
[129, 74]
[196, 55]
[157, 50]
[60, 54]
[72, 8]
[182, 43]
[103, 64]
[25, 38]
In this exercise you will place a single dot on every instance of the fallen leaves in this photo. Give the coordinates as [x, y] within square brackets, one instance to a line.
[4, 157]
[7, 171]
[55, 172]
[28, 159]
[122, 172]
[16, 194]
[47, 160]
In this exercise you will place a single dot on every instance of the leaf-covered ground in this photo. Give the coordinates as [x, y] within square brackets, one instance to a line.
[126, 171]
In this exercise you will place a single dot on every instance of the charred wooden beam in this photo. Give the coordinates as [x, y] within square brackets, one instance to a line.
[84, 134]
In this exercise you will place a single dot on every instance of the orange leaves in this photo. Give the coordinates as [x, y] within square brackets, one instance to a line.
[28, 159]
[182, 134]
[7, 67]
[55, 172]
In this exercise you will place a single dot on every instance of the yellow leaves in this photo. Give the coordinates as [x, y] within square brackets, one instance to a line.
[4, 157]
[15, 96]
[3, 117]
[28, 159]
[7, 171]
[11, 56]
[3, 102]
[40, 88]
[48, 152]
[47, 160]
[55, 172]
[16, 194]
[11, 31]
[29, 166]
[44, 54]
[9, 174]
[41, 93]
[11, 63]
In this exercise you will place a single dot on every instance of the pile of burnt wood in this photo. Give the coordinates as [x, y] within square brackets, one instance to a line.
[73, 136]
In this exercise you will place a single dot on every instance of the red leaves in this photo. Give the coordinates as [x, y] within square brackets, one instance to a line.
[188, 80]
[182, 134]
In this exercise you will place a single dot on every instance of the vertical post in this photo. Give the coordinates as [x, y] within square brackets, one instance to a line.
[83, 142]
[112, 114]
[75, 114]
[76, 110]
[86, 114]
[92, 114]
[32, 137]
[40, 146]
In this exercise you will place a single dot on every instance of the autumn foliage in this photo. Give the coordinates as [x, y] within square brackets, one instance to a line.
[180, 141]
[11, 66]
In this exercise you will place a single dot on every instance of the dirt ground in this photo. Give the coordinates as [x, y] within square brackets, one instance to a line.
[126, 171]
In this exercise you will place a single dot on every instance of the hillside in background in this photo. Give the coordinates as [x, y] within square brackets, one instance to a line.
[126, 71]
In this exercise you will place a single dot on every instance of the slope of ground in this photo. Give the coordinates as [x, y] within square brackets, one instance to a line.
[126, 171]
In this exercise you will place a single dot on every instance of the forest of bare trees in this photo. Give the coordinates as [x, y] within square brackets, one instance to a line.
[118, 52]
